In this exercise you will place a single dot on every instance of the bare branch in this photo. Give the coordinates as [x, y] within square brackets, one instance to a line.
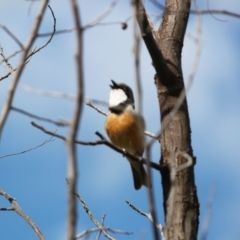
[61, 95]
[12, 55]
[49, 40]
[152, 135]
[49, 93]
[208, 214]
[93, 219]
[124, 26]
[213, 15]
[104, 142]
[136, 54]
[96, 101]
[92, 230]
[28, 150]
[20, 212]
[59, 123]
[89, 102]
[203, 12]
[28, 45]
[12, 35]
[5, 59]
[69, 30]
[35, 50]
[100, 232]
[7, 209]
[197, 41]
[102, 16]
[147, 215]
[96, 108]
[8, 74]
[72, 158]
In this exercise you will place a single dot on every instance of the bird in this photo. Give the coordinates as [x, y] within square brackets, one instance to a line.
[125, 127]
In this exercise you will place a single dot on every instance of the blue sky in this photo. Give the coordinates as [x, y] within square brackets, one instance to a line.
[37, 179]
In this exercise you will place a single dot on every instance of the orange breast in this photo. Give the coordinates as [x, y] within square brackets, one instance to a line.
[125, 132]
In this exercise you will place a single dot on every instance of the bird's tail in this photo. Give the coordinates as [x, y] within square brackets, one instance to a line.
[140, 176]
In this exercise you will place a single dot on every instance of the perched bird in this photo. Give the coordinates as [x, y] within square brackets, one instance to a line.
[125, 128]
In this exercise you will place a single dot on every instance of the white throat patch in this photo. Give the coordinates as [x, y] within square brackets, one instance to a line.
[116, 97]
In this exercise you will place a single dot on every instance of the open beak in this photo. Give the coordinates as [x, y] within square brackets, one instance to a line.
[114, 85]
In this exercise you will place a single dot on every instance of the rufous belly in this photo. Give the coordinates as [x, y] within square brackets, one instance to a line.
[125, 132]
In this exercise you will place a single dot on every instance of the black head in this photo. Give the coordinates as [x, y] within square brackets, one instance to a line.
[125, 88]
[121, 98]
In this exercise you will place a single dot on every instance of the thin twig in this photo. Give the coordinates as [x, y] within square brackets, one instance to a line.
[49, 40]
[58, 123]
[96, 108]
[7, 74]
[28, 150]
[72, 158]
[100, 232]
[28, 57]
[7, 209]
[102, 16]
[20, 212]
[69, 30]
[136, 55]
[213, 15]
[28, 45]
[12, 36]
[12, 55]
[203, 12]
[5, 59]
[54, 94]
[124, 26]
[61, 95]
[92, 230]
[208, 213]
[147, 215]
[93, 219]
[103, 141]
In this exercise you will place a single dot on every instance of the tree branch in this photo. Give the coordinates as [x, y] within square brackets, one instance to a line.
[93, 219]
[20, 212]
[12, 35]
[102, 16]
[104, 142]
[92, 230]
[158, 60]
[28, 150]
[60, 123]
[26, 49]
[72, 158]
[202, 12]
[147, 215]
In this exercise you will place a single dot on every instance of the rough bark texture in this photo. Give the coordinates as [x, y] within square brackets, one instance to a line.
[181, 213]
[180, 198]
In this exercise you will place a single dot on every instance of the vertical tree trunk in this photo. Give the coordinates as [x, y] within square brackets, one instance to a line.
[180, 199]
